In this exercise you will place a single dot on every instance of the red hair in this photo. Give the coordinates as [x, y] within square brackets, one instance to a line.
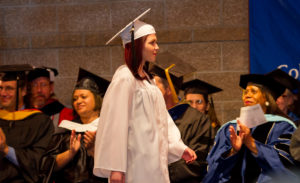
[134, 65]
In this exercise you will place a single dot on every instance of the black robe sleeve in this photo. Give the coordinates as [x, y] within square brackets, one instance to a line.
[80, 169]
[29, 137]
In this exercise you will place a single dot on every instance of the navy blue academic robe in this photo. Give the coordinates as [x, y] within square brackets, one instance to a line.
[272, 141]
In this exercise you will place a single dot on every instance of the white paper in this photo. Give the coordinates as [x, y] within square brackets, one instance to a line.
[252, 116]
[70, 125]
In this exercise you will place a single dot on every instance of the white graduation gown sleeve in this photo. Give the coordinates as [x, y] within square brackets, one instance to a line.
[176, 145]
[112, 133]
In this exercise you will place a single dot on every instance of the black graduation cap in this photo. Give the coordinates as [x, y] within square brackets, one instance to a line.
[274, 87]
[163, 61]
[89, 81]
[171, 68]
[15, 73]
[285, 79]
[201, 86]
[42, 72]
[12, 72]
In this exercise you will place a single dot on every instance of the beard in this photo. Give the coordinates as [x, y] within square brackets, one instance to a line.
[39, 101]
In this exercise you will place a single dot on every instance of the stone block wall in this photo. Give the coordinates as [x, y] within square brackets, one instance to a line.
[212, 35]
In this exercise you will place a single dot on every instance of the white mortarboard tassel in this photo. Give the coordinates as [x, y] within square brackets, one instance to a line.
[140, 29]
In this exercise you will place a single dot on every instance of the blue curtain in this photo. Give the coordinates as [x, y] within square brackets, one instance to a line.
[274, 32]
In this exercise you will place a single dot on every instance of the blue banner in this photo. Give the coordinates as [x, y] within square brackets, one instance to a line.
[274, 33]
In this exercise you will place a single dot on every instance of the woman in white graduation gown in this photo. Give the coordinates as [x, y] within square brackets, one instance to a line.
[136, 137]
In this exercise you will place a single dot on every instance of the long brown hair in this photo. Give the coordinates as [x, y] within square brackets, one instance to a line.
[132, 64]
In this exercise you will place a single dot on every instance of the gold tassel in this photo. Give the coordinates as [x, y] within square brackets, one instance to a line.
[174, 95]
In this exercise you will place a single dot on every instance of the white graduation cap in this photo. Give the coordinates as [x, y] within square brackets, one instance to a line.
[140, 29]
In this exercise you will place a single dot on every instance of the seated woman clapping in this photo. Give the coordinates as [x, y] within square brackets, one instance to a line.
[257, 154]
[73, 151]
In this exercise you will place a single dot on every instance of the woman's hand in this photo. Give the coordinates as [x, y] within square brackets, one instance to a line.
[89, 142]
[74, 143]
[236, 140]
[248, 139]
[64, 158]
[189, 155]
[117, 177]
[245, 130]
[89, 139]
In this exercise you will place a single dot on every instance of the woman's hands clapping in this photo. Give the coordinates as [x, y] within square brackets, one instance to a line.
[89, 141]
[244, 137]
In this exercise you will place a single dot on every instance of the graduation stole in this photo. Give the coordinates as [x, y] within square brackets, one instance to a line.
[17, 115]
[269, 117]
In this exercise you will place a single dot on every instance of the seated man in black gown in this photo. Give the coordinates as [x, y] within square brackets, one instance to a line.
[41, 95]
[24, 134]
[194, 126]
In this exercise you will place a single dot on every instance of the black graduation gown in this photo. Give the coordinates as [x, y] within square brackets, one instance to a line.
[78, 170]
[196, 133]
[29, 134]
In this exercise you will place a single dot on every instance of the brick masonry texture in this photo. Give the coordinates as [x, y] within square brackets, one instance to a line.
[68, 34]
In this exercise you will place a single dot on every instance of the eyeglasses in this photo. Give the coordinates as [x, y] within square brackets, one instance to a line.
[8, 89]
[197, 102]
[252, 91]
[286, 96]
[41, 85]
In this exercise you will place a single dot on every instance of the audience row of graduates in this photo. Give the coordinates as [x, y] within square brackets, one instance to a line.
[58, 154]
[66, 151]
[141, 125]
